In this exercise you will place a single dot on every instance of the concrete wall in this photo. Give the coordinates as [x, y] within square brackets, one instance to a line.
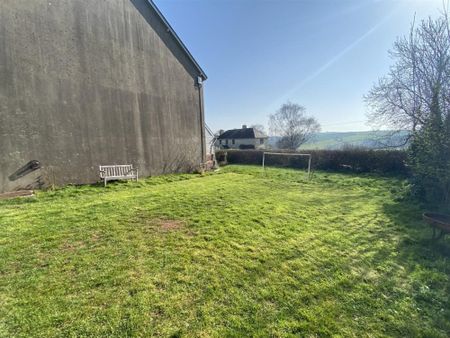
[237, 142]
[90, 82]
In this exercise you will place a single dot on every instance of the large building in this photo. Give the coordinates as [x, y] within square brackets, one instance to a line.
[244, 138]
[85, 83]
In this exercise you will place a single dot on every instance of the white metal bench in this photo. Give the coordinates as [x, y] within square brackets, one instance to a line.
[118, 172]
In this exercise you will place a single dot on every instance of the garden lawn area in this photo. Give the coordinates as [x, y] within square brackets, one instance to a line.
[234, 253]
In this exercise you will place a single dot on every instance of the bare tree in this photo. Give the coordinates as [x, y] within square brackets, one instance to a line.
[415, 95]
[293, 126]
[418, 84]
[259, 127]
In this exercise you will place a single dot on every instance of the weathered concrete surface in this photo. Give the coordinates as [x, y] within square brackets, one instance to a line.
[89, 82]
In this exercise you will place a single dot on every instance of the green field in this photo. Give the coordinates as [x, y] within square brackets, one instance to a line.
[339, 140]
[364, 139]
[235, 253]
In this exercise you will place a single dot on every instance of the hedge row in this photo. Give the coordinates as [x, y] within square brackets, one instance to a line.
[355, 160]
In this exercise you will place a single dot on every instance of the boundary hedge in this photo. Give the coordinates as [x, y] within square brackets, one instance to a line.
[354, 160]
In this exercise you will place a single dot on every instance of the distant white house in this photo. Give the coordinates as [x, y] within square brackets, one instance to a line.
[244, 138]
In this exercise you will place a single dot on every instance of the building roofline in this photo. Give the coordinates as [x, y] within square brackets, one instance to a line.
[241, 138]
[224, 135]
[177, 38]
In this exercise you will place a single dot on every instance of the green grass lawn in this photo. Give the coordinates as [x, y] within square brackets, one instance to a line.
[235, 253]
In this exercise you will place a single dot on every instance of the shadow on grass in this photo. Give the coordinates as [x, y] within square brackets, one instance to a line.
[407, 216]
[425, 260]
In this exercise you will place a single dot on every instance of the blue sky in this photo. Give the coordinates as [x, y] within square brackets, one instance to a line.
[323, 54]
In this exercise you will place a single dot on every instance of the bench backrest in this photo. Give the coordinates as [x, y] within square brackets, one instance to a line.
[116, 170]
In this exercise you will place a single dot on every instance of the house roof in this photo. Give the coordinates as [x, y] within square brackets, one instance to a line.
[177, 39]
[242, 133]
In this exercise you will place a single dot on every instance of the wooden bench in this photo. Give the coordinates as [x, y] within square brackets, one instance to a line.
[118, 172]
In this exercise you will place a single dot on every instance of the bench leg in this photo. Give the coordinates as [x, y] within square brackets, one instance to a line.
[438, 234]
[105, 181]
[442, 234]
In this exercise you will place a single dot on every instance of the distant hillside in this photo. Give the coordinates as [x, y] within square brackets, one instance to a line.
[364, 139]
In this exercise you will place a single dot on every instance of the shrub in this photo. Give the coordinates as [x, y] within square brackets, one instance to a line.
[430, 162]
[246, 146]
[221, 157]
[354, 160]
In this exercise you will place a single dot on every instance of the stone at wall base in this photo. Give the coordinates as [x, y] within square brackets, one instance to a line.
[15, 194]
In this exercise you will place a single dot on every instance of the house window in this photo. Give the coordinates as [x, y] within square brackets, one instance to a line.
[232, 141]
[261, 141]
[220, 142]
[226, 142]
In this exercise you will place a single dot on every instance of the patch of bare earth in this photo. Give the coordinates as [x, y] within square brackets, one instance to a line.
[167, 225]
[71, 246]
[151, 225]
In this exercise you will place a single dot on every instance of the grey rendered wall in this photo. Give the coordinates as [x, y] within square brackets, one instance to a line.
[90, 82]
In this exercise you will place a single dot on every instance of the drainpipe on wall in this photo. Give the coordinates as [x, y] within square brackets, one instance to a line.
[202, 117]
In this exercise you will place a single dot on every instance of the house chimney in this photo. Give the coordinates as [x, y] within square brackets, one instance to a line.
[244, 126]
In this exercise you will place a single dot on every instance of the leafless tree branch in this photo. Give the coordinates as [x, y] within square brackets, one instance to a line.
[418, 82]
[293, 126]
